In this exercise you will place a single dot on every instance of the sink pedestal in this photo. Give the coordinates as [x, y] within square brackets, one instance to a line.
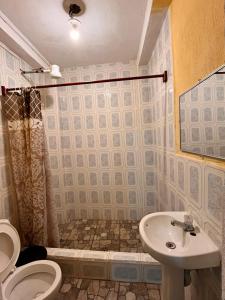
[172, 283]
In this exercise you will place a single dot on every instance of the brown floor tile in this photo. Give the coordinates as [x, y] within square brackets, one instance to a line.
[82, 289]
[101, 235]
[106, 245]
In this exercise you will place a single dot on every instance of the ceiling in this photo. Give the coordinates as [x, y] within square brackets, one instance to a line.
[110, 30]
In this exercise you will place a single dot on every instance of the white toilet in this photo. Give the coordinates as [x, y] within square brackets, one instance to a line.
[38, 280]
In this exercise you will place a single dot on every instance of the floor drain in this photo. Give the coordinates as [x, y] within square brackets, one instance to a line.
[170, 245]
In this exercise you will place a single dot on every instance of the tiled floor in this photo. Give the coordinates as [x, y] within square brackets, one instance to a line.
[85, 289]
[101, 235]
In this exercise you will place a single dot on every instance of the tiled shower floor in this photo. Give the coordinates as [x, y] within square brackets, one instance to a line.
[101, 235]
[85, 289]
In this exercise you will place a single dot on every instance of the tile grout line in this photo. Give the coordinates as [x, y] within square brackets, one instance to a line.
[113, 239]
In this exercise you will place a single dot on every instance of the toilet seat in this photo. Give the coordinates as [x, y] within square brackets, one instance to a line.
[36, 280]
[9, 248]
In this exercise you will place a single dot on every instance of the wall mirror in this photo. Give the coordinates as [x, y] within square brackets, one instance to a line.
[202, 117]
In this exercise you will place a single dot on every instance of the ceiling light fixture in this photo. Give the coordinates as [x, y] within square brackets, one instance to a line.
[74, 10]
[74, 33]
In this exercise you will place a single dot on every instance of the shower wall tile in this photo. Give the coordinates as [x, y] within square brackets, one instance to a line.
[182, 183]
[95, 270]
[172, 198]
[112, 146]
[112, 149]
[129, 270]
[214, 194]
[195, 184]
[213, 233]
[69, 267]
[181, 174]
[172, 169]
[95, 147]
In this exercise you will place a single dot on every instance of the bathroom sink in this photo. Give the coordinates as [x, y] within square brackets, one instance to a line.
[172, 246]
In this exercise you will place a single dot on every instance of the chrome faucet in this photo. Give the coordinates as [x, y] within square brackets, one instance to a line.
[187, 225]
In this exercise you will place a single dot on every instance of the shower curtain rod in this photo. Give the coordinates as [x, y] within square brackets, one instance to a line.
[164, 76]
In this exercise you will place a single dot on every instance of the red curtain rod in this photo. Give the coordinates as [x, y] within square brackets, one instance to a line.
[164, 76]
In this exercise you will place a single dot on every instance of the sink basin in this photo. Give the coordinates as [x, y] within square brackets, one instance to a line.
[190, 252]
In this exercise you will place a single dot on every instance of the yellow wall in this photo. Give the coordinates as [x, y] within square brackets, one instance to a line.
[160, 4]
[198, 44]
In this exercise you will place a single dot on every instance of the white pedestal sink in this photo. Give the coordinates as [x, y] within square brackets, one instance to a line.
[186, 252]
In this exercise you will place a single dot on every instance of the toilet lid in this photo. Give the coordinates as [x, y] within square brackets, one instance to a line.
[9, 248]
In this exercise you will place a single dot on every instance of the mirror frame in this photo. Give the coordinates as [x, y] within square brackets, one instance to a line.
[179, 105]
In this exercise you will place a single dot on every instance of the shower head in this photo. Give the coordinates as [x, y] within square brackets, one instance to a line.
[54, 71]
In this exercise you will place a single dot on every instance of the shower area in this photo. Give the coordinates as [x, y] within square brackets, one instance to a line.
[107, 143]
[103, 161]
[107, 138]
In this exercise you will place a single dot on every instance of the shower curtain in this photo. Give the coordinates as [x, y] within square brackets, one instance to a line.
[29, 162]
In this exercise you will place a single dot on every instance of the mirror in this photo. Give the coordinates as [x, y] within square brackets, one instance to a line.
[202, 117]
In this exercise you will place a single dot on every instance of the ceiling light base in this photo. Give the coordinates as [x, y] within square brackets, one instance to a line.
[74, 8]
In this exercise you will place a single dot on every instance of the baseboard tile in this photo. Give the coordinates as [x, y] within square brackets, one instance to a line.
[107, 265]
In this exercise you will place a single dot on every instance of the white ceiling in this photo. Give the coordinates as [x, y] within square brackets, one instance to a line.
[110, 29]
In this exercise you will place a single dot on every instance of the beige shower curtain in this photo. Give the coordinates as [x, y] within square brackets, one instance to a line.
[29, 161]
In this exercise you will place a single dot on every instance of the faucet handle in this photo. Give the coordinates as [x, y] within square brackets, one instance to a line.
[188, 219]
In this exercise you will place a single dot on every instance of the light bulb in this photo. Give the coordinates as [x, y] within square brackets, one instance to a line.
[74, 34]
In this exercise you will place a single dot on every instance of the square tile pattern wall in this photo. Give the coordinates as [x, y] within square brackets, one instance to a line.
[112, 146]
[102, 155]
[181, 183]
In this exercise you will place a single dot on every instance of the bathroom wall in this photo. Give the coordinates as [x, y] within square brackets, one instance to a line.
[198, 40]
[185, 183]
[100, 144]
[113, 152]
[112, 147]
[198, 46]
[160, 4]
[10, 65]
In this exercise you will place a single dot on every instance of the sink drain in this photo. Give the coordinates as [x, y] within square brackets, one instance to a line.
[170, 245]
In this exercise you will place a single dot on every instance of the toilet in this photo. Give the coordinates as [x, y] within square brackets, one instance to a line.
[37, 280]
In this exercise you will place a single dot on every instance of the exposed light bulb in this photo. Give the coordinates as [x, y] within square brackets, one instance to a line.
[75, 34]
